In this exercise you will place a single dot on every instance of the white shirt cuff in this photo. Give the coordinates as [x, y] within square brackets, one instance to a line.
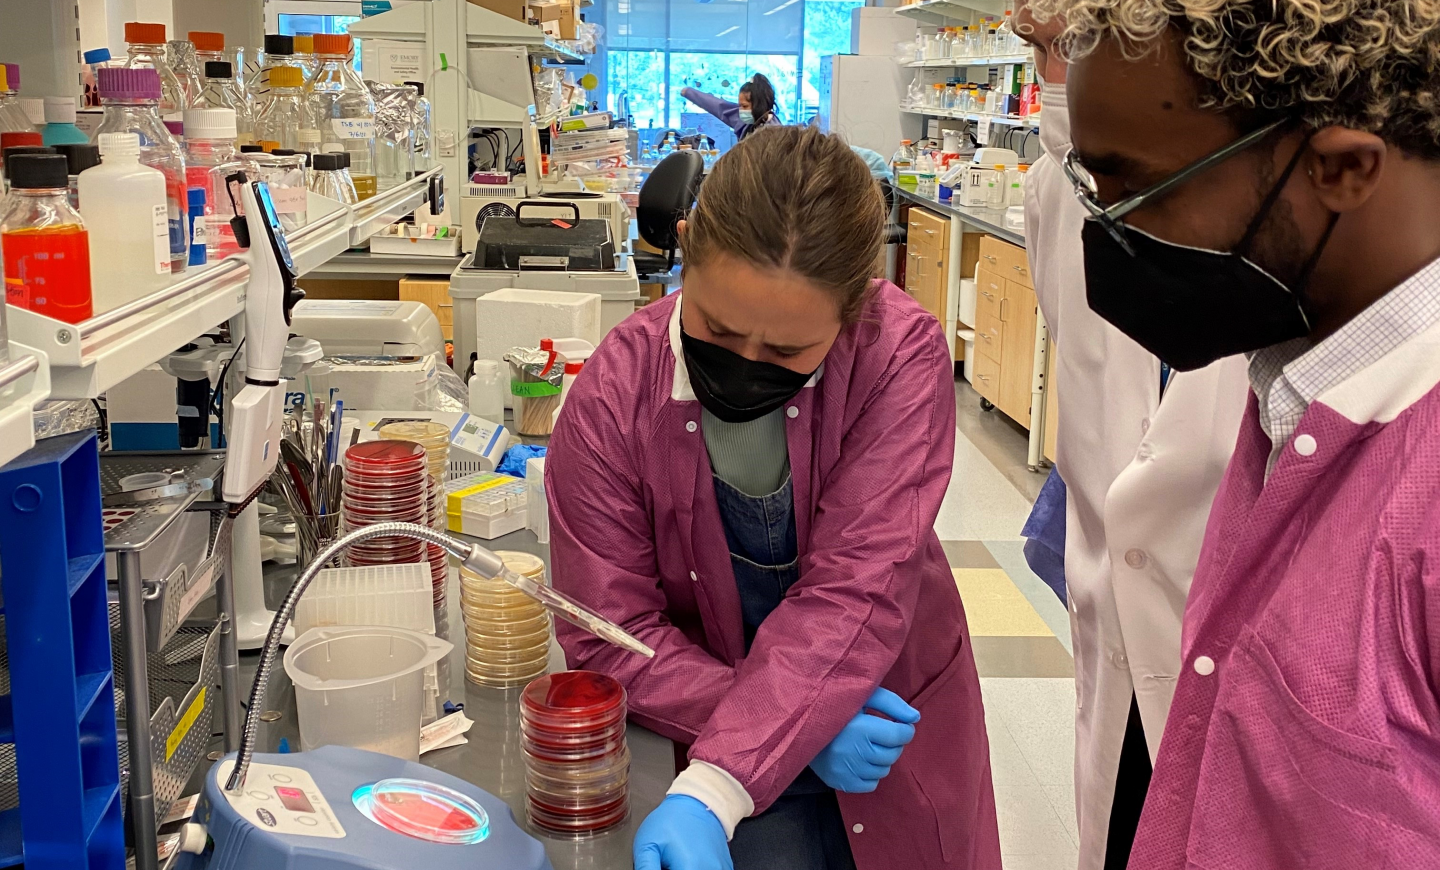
[716, 789]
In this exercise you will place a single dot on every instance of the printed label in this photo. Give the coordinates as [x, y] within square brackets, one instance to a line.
[160, 229]
[177, 735]
[198, 234]
[982, 130]
[310, 137]
[288, 200]
[353, 128]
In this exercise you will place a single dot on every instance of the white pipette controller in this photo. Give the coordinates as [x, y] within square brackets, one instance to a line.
[253, 442]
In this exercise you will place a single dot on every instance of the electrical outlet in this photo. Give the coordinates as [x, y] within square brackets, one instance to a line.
[445, 142]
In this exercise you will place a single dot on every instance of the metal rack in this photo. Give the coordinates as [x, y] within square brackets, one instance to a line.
[168, 674]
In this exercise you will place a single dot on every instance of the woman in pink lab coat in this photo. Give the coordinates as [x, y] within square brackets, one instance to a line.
[746, 477]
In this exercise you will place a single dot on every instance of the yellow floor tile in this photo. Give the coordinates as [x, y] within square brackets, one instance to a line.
[994, 607]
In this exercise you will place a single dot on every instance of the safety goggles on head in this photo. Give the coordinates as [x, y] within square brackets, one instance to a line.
[1088, 192]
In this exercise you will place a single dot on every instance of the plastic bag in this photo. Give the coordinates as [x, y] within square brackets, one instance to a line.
[64, 417]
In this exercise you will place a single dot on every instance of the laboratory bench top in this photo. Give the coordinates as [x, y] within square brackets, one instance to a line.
[491, 758]
[988, 220]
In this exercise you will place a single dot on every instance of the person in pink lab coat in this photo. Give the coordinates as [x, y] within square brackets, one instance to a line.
[1260, 177]
[746, 477]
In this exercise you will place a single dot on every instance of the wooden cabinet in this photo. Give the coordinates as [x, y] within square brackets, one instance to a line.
[927, 267]
[989, 332]
[1017, 358]
[1005, 322]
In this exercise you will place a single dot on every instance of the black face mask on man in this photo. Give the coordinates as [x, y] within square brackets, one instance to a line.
[1192, 306]
[733, 388]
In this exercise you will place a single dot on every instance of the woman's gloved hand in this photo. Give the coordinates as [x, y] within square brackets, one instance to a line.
[862, 753]
[682, 834]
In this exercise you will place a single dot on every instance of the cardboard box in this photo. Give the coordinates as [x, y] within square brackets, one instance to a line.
[562, 27]
[509, 8]
[551, 10]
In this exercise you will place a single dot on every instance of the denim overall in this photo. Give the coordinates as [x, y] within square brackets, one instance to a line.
[803, 829]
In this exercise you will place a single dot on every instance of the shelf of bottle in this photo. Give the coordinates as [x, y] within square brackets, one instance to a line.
[936, 11]
[554, 50]
[959, 62]
[24, 383]
[86, 359]
[1003, 120]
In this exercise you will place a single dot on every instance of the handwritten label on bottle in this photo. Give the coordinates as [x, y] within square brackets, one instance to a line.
[353, 128]
[288, 200]
[160, 229]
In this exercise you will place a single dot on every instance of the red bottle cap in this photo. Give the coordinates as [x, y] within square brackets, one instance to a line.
[144, 32]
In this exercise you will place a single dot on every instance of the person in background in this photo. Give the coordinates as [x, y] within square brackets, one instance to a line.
[714, 490]
[1260, 178]
[1141, 450]
[755, 109]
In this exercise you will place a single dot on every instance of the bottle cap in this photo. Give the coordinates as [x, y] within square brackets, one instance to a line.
[207, 40]
[38, 171]
[304, 43]
[286, 77]
[488, 366]
[251, 149]
[176, 128]
[12, 75]
[547, 344]
[80, 156]
[195, 196]
[573, 368]
[999, 167]
[332, 43]
[129, 84]
[144, 32]
[34, 109]
[4, 79]
[96, 55]
[15, 150]
[276, 43]
[27, 137]
[325, 162]
[119, 144]
[218, 69]
[218, 123]
[419, 86]
[344, 159]
[59, 110]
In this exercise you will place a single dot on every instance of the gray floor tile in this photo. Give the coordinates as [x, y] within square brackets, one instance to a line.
[968, 554]
[1011, 557]
[1021, 657]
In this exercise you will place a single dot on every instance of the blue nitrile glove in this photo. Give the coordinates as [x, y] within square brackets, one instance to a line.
[682, 834]
[862, 753]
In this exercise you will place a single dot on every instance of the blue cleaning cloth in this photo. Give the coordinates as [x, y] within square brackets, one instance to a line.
[515, 458]
[1044, 534]
[879, 166]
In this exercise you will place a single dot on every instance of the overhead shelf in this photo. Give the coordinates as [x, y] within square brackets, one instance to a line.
[958, 62]
[86, 359]
[1002, 120]
[941, 11]
[483, 28]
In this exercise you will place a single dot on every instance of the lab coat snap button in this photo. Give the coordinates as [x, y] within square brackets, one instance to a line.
[1120, 660]
[1204, 666]
[693, 577]
[859, 829]
[1136, 558]
[1145, 425]
[690, 426]
[792, 412]
[1305, 445]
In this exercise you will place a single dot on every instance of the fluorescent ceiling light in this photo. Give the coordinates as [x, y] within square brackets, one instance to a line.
[728, 30]
[782, 6]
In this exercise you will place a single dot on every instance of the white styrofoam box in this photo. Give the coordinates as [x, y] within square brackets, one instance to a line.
[510, 318]
[390, 385]
[400, 596]
[875, 30]
[537, 509]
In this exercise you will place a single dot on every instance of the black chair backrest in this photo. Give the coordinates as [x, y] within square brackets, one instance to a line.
[667, 195]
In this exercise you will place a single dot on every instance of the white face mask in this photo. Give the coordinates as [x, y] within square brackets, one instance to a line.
[1054, 119]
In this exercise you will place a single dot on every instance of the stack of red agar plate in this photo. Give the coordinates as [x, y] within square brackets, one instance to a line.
[386, 481]
[577, 766]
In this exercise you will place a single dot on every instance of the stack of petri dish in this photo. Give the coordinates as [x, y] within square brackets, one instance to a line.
[435, 438]
[507, 633]
[577, 765]
[385, 481]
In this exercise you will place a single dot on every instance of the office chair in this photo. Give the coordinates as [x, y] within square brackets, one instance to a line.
[665, 198]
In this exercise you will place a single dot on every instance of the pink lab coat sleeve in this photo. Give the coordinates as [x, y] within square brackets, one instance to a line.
[841, 627]
[601, 532]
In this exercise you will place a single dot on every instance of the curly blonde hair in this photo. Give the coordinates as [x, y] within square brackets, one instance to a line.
[1370, 65]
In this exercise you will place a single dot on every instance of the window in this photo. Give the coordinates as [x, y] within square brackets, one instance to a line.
[656, 48]
[290, 17]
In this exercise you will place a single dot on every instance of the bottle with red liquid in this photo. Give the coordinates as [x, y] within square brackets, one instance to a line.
[46, 247]
[210, 157]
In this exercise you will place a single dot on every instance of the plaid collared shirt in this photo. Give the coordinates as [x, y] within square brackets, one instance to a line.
[1287, 377]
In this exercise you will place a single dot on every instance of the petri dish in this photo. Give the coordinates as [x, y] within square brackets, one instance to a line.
[574, 696]
[381, 456]
[426, 811]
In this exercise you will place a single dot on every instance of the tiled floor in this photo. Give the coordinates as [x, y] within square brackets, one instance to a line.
[1021, 637]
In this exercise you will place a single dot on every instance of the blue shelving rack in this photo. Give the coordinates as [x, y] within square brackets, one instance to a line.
[60, 712]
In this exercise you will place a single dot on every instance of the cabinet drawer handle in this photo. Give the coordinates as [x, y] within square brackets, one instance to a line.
[1020, 269]
[990, 258]
[929, 232]
[987, 294]
[1003, 318]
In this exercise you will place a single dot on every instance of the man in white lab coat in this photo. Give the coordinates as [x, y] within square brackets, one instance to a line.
[1141, 453]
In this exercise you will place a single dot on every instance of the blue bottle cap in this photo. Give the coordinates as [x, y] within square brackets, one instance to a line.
[196, 196]
[96, 55]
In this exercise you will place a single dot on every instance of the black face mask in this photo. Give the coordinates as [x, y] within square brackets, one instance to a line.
[1192, 306]
[733, 388]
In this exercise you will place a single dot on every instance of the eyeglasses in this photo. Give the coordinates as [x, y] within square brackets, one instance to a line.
[1088, 192]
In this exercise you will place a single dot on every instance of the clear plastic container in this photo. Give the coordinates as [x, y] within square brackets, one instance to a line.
[95, 59]
[281, 110]
[12, 115]
[285, 173]
[146, 50]
[995, 187]
[223, 92]
[128, 215]
[488, 388]
[210, 157]
[428, 812]
[362, 686]
[44, 241]
[131, 98]
[183, 60]
[1016, 193]
[423, 131]
[343, 110]
[327, 178]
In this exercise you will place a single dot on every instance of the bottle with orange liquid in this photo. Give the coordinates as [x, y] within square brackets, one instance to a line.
[46, 247]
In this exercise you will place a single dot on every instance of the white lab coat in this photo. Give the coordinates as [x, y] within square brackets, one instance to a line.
[1140, 476]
